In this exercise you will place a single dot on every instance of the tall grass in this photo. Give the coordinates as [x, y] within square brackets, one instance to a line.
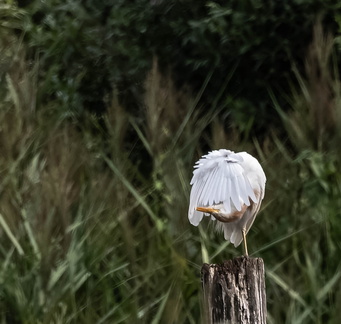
[310, 189]
[93, 214]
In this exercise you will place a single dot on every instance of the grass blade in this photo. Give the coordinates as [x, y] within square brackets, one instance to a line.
[10, 235]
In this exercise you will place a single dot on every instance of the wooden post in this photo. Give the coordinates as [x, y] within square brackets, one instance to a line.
[234, 292]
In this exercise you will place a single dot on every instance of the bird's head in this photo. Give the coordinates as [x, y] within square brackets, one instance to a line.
[208, 210]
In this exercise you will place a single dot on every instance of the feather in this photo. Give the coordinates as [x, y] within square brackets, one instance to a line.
[225, 196]
[230, 182]
[234, 193]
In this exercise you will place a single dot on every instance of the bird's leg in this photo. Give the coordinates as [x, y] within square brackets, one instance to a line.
[245, 243]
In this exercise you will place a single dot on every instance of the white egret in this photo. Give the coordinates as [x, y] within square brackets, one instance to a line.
[229, 187]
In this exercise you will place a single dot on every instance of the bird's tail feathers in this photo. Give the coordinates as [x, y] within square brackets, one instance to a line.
[237, 236]
[232, 232]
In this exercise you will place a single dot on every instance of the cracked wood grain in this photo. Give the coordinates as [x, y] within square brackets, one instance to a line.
[234, 291]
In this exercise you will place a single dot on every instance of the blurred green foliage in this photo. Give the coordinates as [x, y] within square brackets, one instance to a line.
[85, 48]
[104, 108]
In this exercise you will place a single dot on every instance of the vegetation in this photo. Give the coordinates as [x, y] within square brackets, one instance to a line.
[98, 139]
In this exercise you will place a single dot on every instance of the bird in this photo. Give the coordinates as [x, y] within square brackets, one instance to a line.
[229, 187]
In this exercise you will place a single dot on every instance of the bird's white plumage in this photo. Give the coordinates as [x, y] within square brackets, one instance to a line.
[227, 181]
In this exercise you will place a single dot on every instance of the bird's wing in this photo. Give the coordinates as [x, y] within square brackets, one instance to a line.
[219, 178]
[233, 231]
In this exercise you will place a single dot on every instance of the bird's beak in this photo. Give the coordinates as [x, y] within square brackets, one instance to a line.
[207, 210]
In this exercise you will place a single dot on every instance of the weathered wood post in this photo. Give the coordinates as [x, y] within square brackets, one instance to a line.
[234, 291]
